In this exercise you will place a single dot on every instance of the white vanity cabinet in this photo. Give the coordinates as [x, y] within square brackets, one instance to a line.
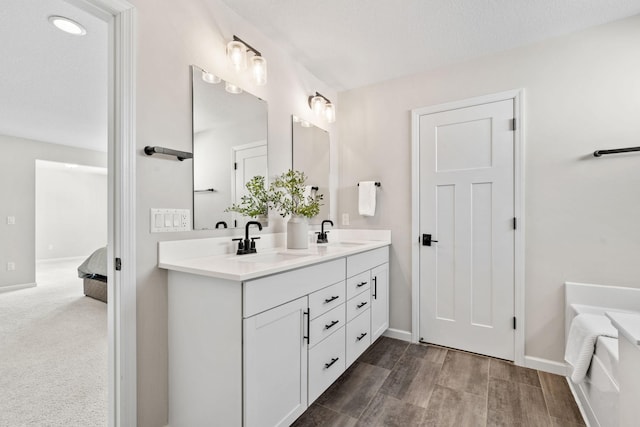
[258, 352]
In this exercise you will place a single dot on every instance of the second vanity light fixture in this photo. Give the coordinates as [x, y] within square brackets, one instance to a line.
[322, 107]
[237, 50]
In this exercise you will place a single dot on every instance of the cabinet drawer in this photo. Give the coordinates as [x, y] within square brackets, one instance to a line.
[326, 363]
[357, 284]
[358, 336]
[325, 325]
[366, 261]
[326, 299]
[268, 292]
[358, 304]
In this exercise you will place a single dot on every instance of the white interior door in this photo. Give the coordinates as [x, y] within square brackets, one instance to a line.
[467, 206]
[249, 160]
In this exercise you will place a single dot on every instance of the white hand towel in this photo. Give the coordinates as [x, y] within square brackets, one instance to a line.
[367, 198]
[581, 343]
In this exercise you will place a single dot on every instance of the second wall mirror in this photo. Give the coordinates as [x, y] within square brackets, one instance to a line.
[310, 146]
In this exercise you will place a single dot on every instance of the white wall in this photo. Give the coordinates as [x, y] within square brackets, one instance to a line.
[172, 35]
[17, 196]
[71, 211]
[582, 92]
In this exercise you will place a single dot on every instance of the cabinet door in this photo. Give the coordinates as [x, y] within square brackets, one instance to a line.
[379, 300]
[275, 364]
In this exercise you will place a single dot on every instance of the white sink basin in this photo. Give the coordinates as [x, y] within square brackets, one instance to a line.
[269, 258]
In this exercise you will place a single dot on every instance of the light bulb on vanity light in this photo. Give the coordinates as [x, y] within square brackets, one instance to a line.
[259, 70]
[237, 55]
[330, 113]
[317, 104]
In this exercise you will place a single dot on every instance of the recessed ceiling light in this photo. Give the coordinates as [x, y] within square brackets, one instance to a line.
[68, 25]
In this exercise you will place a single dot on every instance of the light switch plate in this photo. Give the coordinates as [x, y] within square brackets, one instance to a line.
[11, 220]
[169, 220]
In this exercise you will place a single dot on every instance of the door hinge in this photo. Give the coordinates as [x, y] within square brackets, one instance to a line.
[118, 264]
[514, 322]
[515, 223]
[514, 124]
[235, 166]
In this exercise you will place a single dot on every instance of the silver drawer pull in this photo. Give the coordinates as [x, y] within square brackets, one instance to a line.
[364, 334]
[328, 365]
[362, 304]
[328, 300]
[361, 284]
[332, 324]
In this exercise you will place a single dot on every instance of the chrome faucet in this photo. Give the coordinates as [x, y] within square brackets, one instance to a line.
[322, 235]
[248, 245]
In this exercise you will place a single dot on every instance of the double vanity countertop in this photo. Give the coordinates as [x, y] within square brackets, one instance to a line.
[211, 257]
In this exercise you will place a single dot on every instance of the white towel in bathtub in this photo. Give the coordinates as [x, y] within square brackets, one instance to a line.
[367, 198]
[581, 343]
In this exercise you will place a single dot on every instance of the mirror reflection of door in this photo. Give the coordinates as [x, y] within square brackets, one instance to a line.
[249, 160]
[223, 122]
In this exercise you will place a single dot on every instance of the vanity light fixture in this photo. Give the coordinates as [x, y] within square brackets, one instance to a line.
[237, 50]
[67, 25]
[210, 77]
[322, 107]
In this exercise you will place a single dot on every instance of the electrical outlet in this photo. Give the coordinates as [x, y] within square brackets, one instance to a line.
[11, 220]
[345, 219]
[11, 266]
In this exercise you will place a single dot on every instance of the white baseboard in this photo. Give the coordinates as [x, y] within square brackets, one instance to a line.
[63, 259]
[545, 365]
[17, 287]
[398, 334]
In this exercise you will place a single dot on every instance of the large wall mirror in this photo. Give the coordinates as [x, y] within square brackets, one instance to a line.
[229, 148]
[311, 155]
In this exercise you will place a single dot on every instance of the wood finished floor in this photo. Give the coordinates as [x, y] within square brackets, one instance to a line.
[399, 384]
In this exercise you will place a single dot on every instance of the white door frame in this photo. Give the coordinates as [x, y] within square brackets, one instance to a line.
[121, 309]
[519, 304]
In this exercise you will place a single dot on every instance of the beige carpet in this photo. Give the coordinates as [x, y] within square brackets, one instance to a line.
[53, 352]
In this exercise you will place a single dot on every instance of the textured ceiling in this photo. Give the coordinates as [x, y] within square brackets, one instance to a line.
[353, 43]
[53, 85]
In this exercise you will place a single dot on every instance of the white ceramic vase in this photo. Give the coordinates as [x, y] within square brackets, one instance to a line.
[298, 232]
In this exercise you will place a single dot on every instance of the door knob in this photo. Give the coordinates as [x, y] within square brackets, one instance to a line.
[426, 240]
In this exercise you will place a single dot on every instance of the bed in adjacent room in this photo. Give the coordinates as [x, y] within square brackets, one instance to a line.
[93, 271]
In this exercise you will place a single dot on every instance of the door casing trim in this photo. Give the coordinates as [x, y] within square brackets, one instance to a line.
[517, 95]
[120, 16]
